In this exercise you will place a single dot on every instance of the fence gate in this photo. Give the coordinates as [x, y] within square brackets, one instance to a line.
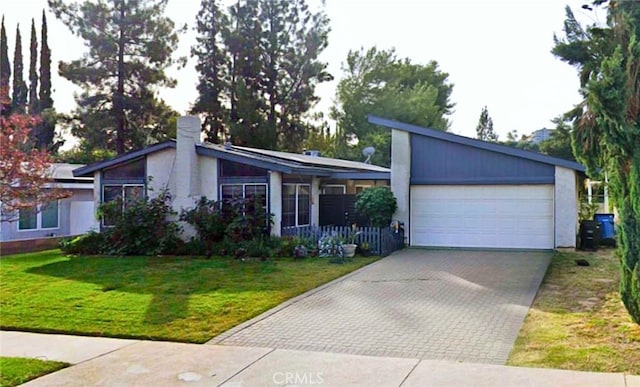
[339, 210]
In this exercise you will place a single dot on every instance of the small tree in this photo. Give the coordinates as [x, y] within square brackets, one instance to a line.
[208, 219]
[25, 180]
[378, 204]
[484, 129]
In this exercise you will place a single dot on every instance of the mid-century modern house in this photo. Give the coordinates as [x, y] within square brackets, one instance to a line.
[456, 191]
[452, 191]
[70, 216]
[290, 184]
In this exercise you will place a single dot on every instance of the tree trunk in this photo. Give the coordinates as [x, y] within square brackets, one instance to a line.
[118, 103]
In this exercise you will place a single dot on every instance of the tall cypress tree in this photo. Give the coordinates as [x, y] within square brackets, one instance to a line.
[33, 72]
[19, 96]
[47, 128]
[5, 73]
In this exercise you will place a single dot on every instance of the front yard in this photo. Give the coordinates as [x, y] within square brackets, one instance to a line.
[577, 320]
[163, 298]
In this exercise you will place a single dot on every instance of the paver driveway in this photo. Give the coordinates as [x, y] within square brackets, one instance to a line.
[430, 304]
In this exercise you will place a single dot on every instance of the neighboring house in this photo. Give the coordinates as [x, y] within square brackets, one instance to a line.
[455, 191]
[70, 216]
[291, 185]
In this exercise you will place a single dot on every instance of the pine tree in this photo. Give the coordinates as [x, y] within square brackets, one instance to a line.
[5, 73]
[19, 96]
[484, 129]
[33, 72]
[130, 46]
[212, 26]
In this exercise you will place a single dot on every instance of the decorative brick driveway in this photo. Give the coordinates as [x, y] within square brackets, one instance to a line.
[430, 304]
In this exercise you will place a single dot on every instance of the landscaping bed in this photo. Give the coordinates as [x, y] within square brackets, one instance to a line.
[17, 370]
[577, 320]
[164, 298]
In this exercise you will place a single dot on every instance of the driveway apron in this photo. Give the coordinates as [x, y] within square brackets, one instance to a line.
[429, 304]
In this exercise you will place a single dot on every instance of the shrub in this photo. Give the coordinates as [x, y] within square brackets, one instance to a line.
[91, 243]
[378, 204]
[143, 228]
[209, 220]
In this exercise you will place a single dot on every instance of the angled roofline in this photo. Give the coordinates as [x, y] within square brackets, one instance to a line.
[472, 142]
[259, 161]
[91, 168]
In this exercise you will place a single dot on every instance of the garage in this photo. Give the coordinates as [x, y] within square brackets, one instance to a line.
[461, 192]
[483, 216]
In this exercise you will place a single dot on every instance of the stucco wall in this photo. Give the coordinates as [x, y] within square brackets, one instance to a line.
[161, 169]
[566, 207]
[208, 177]
[401, 173]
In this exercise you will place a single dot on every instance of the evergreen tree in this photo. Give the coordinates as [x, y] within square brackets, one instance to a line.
[212, 66]
[606, 130]
[5, 73]
[130, 45]
[19, 96]
[33, 72]
[264, 56]
[484, 129]
[46, 129]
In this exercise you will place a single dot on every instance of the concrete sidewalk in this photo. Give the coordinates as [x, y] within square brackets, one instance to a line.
[111, 362]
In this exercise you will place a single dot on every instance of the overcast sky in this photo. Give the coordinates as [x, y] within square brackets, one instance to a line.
[497, 52]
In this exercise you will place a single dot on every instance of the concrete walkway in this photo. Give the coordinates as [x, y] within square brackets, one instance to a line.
[113, 362]
[428, 304]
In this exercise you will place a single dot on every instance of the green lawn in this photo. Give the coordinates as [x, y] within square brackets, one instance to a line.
[165, 298]
[17, 370]
[577, 320]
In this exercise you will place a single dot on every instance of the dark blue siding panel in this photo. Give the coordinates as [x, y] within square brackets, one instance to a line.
[435, 161]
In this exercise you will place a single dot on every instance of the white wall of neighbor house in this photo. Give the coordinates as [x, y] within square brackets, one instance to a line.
[566, 207]
[275, 201]
[315, 201]
[401, 173]
[161, 168]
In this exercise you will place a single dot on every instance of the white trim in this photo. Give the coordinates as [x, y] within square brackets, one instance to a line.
[297, 189]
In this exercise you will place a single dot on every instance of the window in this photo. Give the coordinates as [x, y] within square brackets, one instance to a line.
[334, 189]
[44, 217]
[296, 205]
[233, 169]
[124, 193]
[132, 170]
[245, 191]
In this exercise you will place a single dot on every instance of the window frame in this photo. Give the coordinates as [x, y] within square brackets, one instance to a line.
[244, 191]
[297, 205]
[38, 216]
[122, 192]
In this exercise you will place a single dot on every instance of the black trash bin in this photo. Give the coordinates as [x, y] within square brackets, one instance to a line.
[589, 235]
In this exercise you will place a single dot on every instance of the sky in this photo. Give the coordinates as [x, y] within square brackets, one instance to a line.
[496, 52]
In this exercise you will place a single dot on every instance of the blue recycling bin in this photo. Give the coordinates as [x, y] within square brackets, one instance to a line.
[607, 229]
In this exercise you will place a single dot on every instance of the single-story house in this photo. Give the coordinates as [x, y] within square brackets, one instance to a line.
[290, 184]
[70, 216]
[455, 191]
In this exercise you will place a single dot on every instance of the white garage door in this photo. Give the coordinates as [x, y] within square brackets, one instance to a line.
[489, 216]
